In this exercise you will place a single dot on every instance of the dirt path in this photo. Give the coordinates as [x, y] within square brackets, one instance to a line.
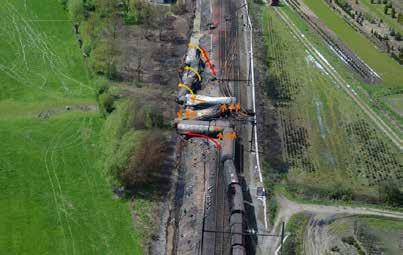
[287, 208]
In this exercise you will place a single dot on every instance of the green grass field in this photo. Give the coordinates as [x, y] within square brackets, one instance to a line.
[55, 198]
[331, 149]
[390, 71]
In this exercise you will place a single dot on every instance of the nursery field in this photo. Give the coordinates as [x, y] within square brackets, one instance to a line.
[331, 150]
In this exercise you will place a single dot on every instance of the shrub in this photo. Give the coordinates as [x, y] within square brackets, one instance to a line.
[390, 194]
[64, 3]
[130, 19]
[273, 208]
[134, 146]
[146, 162]
[106, 101]
[296, 227]
[102, 60]
[179, 7]
[140, 12]
[146, 116]
[76, 9]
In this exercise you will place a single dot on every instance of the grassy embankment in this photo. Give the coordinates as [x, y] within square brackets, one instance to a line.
[390, 71]
[296, 230]
[55, 198]
[331, 150]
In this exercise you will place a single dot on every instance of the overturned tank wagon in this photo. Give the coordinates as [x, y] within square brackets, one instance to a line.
[193, 100]
[209, 113]
[223, 197]
[190, 77]
[202, 127]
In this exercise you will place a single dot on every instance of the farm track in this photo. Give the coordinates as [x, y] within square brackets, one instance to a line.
[288, 208]
[341, 82]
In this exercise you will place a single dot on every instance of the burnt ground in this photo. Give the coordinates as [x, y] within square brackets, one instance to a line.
[148, 57]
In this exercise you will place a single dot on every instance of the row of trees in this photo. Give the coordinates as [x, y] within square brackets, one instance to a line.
[393, 12]
[388, 5]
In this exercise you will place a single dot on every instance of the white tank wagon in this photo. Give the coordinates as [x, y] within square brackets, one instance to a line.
[190, 76]
[204, 114]
[194, 100]
[201, 127]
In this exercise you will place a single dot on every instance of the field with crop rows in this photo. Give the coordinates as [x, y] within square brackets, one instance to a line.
[330, 148]
[54, 197]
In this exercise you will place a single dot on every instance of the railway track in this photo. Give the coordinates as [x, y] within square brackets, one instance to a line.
[227, 42]
[222, 224]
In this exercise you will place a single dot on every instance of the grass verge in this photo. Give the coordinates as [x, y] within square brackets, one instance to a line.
[296, 229]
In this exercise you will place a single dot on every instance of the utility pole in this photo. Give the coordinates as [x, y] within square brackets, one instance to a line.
[252, 137]
[282, 237]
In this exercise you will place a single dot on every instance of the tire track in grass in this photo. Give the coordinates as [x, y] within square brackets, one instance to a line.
[56, 148]
[36, 41]
[62, 208]
[84, 166]
[55, 199]
[61, 148]
[50, 149]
